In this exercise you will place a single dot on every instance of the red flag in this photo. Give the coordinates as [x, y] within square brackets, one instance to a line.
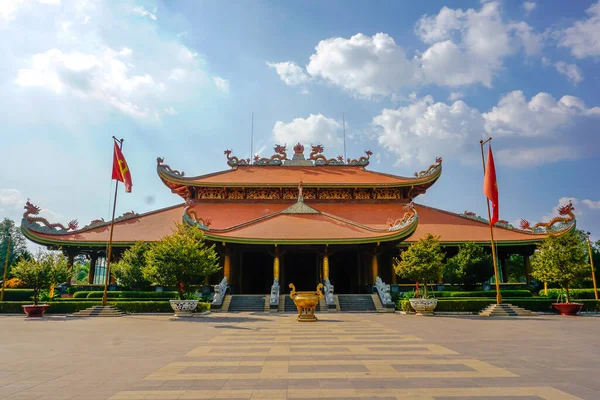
[120, 170]
[490, 185]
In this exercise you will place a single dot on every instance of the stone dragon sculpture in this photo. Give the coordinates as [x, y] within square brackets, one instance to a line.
[408, 216]
[233, 161]
[31, 210]
[159, 162]
[566, 216]
[431, 169]
[320, 159]
[190, 216]
[276, 159]
[364, 161]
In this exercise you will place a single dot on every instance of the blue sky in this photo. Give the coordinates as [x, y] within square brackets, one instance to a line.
[415, 80]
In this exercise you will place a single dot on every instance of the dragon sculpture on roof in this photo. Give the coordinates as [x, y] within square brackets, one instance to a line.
[432, 168]
[407, 218]
[234, 161]
[276, 159]
[159, 162]
[555, 224]
[31, 210]
[191, 217]
[363, 161]
[320, 159]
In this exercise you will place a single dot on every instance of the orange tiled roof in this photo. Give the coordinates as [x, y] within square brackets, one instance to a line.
[292, 175]
[263, 222]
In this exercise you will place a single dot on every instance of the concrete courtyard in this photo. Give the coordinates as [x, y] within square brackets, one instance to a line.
[259, 356]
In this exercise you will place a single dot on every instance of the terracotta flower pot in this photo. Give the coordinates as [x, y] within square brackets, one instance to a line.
[567, 308]
[35, 311]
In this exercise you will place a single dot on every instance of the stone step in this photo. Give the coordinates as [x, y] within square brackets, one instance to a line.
[99, 311]
[246, 303]
[356, 303]
[505, 310]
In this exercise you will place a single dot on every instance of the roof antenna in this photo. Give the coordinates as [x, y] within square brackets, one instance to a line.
[344, 125]
[252, 139]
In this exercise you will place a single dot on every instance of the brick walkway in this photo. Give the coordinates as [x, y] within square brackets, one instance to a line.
[257, 356]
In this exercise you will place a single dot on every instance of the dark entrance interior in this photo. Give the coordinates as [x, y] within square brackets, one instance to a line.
[301, 269]
[345, 272]
[256, 272]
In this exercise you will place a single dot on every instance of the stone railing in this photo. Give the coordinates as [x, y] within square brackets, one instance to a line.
[220, 291]
[328, 289]
[383, 290]
[274, 299]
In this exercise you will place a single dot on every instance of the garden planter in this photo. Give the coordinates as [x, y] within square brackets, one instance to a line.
[35, 311]
[567, 308]
[423, 306]
[183, 308]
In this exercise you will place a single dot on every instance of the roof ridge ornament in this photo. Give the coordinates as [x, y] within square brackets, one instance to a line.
[565, 220]
[276, 159]
[233, 161]
[320, 159]
[362, 161]
[169, 170]
[190, 217]
[34, 223]
[431, 170]
[408, 217]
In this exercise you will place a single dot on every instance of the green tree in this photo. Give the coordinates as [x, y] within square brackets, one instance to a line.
[472, 265]
[181, 259]
[423, 261]
[41, 271]
[560, 259]
[18, 245]
[129, 270]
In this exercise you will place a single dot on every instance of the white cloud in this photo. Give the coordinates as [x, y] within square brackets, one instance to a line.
[541, 116]
[423, 130]
[365, 65]
[538, 129]
[145, 13]
[582, 37]
[170, 110]
[466, 47]
[8, 8]
[455, 96]
[289, 72]
[529, 6]
[221, 84]
[572, 71]
[11, 198]
[563, 201]
[594, 205]
[316, 129]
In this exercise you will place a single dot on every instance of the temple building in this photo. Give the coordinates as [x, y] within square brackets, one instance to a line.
[299, 220]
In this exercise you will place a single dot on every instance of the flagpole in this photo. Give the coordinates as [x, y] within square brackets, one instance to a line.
[6, 269]
[112, 226]
[591, 265]
[498, 295]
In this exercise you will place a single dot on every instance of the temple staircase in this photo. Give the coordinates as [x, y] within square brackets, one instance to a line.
[356, 303]
[247, 303]
[505, 310]
[288, 304]
[99, 311]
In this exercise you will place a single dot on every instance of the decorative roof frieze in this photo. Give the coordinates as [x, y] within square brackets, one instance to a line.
[42, 225]
[167, 169]
[409, 217]
[565, 221]
[433, 168]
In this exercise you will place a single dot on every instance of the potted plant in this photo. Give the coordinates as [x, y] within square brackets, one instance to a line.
[423, 261]
[179, 260]
[561, 260]
[39, 273]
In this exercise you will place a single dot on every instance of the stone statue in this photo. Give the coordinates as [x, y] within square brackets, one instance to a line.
[384, 291]
[274, 299]
[329, 292]
[220, 291]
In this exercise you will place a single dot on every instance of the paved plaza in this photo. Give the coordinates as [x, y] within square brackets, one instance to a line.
[260, 356]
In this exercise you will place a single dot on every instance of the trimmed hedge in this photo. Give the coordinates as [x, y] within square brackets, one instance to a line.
[18, 294]
[68, 307]
[117, 294]
[484, 293]
[100, 299]
[477, 304]
[573, 293]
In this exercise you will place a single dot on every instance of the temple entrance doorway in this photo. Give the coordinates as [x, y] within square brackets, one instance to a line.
[256, 272]
[347, 272]
[301, 269]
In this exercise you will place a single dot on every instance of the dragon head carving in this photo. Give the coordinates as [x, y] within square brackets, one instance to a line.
[30, 209]
[438, 160]
[369, 153]
[159, 160]
[566, 210]
[317, 149]
[524, 224]
[73, 225]
[279, 149]
[227, 152]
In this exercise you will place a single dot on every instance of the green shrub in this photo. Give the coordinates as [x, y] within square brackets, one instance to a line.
[202, 307]
[80, 295]
[575, 293]
[68, 307]
[115, 299]
[404, 305]
[18, 294]
[115, 294]
[532, 304]
[84, 288]
[484, 293]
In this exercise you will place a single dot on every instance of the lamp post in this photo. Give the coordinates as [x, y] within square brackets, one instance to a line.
[592, 264]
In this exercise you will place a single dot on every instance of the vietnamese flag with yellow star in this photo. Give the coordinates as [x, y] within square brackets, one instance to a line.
[120, 170]
[490, 185]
